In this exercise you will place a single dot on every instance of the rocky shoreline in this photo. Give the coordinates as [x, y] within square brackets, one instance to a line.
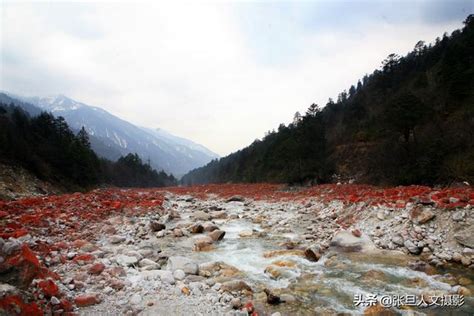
[162, 261]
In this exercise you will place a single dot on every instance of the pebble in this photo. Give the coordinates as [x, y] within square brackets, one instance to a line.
[116, 239]
[71, 255]
[136, 299]
[235, 303]
[398, 240]
[412, 248]
[458, 216]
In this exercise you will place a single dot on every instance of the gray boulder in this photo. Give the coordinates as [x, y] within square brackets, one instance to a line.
[182, 263]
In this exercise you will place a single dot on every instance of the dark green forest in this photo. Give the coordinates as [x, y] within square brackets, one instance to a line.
[46, 146]
[410, 122]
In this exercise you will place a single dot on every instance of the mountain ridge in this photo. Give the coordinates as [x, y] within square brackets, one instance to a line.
[410, 122]
[112, 136]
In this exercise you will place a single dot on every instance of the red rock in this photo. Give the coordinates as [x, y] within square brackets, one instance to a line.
[60, 245]
[79, 243]
[27, 266]
[14, 234]
[249, 307]
[84, 257]
[97, 268]
[86, 300]
[49, 288]
[66, 305]
[11, 305]
[116, 284]
[356, 232]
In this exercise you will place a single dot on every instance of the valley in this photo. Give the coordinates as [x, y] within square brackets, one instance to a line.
[238, 250]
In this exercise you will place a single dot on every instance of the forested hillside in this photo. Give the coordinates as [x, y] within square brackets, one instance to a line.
[46, 146]
[411, 122]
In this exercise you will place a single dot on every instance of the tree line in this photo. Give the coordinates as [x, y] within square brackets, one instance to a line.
[409, 122]
[47, 147]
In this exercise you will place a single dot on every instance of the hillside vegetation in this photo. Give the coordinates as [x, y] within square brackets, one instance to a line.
[411, 122]
[46, 146]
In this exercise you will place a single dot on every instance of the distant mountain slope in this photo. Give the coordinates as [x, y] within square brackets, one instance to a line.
[103, 150]
[46, 146]
[112, 137]
[29, 108]
[412, 122]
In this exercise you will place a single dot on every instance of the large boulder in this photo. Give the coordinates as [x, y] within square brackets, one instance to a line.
[203, 243]
[313, 253]
[196, 228]
[165, 276]
[277, 272]
[465, 238]
[346, 241]
[209, 227]
[217, 268]
[201, 216]
[235, 286]
[284, 252]
[219, 215]
[412, 248]
[217, 235]
[157, 226]
[126, 261]
[420, 215]
[236, 198]
[182, 263]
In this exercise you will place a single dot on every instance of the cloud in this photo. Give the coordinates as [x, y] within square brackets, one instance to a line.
[218, 73]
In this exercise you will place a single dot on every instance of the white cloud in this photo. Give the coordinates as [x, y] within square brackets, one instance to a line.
[188, 68]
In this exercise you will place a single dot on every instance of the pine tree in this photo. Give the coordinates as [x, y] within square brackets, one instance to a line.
[83, 138]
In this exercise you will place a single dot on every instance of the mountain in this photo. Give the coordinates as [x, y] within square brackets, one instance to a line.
[29, 108]
[112, 137]
[411, 122]
[45, 146]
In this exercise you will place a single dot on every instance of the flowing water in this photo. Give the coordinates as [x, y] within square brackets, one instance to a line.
[332, 283]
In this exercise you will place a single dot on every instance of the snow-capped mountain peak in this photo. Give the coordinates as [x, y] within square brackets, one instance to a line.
[58, 103]
[113, 136]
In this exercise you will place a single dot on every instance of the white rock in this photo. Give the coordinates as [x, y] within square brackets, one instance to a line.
[412, 248]
[179, 274]
[458, 216]
[116, 239]
[182, 263]
[217, 286]
[71, 255]
[346, 240]
[381, 215]
[136, 299]
[166, 276]
[126, 261]
[147, 262]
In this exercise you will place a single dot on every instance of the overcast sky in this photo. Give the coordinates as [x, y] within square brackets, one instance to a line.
[219, 73]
